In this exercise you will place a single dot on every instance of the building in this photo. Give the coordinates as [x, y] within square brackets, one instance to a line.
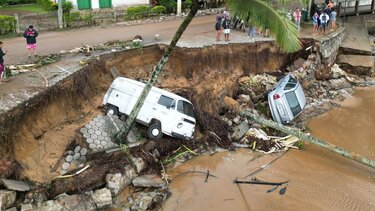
[99, 4]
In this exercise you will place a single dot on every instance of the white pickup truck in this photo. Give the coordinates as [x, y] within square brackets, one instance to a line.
[162, 111]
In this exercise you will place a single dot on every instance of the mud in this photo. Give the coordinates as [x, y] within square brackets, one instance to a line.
[38, 131]
[319, 180]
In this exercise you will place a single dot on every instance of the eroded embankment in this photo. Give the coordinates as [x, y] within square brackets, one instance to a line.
[37, 132]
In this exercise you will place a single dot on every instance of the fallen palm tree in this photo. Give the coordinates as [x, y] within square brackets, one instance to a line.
[303, 136]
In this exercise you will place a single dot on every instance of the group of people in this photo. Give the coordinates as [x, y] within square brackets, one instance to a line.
[30, 34]
[322, 19]
[222, 24]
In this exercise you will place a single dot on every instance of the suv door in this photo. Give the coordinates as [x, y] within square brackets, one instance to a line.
[184, 120]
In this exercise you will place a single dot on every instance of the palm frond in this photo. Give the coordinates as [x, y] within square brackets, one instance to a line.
[262, 14]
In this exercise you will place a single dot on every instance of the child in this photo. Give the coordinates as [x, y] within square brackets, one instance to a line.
[30, 34]
[315, 23]
[2, 53]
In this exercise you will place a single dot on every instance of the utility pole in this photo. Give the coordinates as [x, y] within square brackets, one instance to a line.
[60, 14]
[179, 5]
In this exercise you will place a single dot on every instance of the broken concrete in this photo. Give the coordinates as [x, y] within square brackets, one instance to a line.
[240, 130]
[148, 181]
[356, 64]
[16, 185]
[117, 182]
[7, 199]
[102, 198]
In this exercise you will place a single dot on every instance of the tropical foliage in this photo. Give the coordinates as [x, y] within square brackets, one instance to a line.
[261, 14]
[7, 24]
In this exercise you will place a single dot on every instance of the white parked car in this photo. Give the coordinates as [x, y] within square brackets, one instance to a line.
[286, 100]
[162, 111]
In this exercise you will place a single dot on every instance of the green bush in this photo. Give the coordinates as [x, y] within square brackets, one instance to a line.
[89, 18]
[186, 4]
[46, 4]
[136, 12]
[158, 9]
[171, 5]
[7, 24]
[13, 2]
[67, 6]
[69, 18]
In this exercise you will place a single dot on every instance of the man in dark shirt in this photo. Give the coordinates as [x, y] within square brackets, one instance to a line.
[2, 53]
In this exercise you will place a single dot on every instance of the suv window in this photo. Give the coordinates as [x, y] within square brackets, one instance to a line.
[185, 108]
[291, 84]
[166, 101]
[293, 103]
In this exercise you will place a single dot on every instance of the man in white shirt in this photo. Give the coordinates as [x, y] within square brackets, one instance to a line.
[324, 18]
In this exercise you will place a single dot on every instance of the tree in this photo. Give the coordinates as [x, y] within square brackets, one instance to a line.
[285, 32]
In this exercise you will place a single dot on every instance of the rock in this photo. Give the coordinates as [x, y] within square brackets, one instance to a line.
[356, 64]
[76, 202]
[149, 180]
[27, 207]
[83, 151]
[65, 166]
[240, 130]
[133, 136]
[144, 201]
[244, 98]
[102, 197]
[12, 209]
[236, 119]
[16, 185]
[139, 164]
[7, 199]
[117, 182]
[337, 72]
[336, 84]
[50, 205]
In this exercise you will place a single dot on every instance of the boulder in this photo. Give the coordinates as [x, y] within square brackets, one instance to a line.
[144, 201]
[150, 180]
[102, 198]
[240, 130]
[356, 64]
[231, 105]
[76, 202]
[117, 182]
[7, 199]
[139, 164]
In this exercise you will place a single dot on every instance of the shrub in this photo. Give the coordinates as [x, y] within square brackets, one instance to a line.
[89, 18]
[46, 4]
[13, 2]
[158, 10]
[69, 18]
[186, 4]
[7, 24]
[136, 12]
[67, 6]
[171, 5]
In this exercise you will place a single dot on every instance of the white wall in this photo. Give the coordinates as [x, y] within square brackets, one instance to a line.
[128, 2]
[95, 3]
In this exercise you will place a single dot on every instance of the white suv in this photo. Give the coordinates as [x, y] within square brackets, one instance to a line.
[286, 100]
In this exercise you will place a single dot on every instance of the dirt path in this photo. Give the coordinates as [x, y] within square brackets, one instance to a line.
[54, 42]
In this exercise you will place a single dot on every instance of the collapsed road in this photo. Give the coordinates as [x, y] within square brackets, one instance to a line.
[46, 136]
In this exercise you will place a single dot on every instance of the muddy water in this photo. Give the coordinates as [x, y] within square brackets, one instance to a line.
[319, 180]
[352, 126]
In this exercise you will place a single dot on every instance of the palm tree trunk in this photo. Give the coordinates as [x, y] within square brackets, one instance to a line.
[122, 135]
[303, 136]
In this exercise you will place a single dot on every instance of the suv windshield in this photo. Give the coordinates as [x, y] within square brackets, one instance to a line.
[185, 108]
[293, 103]
[291, 84]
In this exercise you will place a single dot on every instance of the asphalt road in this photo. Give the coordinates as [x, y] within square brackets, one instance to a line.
[55, 41]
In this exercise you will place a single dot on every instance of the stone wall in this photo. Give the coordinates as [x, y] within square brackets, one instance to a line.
[328, 46]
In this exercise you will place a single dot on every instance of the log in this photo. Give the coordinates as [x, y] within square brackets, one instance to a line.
[308, 138]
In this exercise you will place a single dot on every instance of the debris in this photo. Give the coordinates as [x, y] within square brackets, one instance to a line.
[102, 198]
[114, 72]
[71, 175]
[181, 151]
[149, 180]
[265, 166]
[15, 185]
[7, 199]
[139, 164]
[256, 182]
[117, 182]
[240, 130]
[208, 174]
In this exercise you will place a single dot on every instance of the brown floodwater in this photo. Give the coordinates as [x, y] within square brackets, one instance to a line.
[319, 180]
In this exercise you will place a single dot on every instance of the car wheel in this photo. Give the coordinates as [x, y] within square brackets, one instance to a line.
[154, 131]
[112, 110]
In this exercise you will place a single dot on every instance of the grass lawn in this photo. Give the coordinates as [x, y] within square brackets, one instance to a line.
[32, 8]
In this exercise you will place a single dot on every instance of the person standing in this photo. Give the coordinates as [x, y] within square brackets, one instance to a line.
[30, 34]
[297, 17]
[315, 23]
[2, 54]
[226, 23]
[324, 18]
[219, 19]
[333, 19]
